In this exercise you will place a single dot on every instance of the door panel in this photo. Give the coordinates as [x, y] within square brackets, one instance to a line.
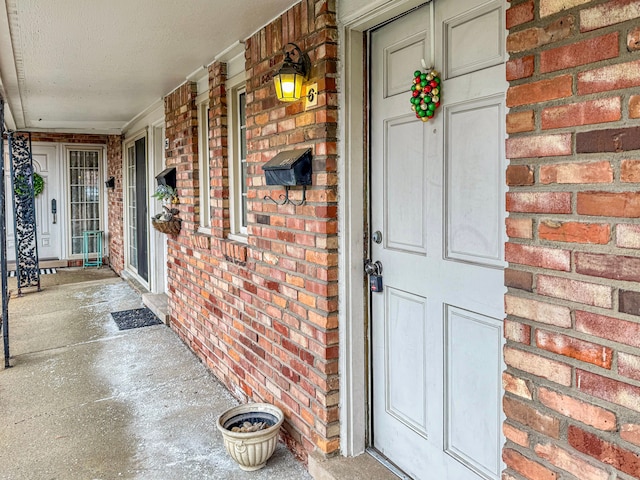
[486, 50]
[437, 197]
[474, 219]
[471, 340]
[405, 367]
[46, 163]
[404, 208]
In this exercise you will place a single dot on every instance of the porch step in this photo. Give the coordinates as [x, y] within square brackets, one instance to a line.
[362, 467]
[133, 283]
[158, 303]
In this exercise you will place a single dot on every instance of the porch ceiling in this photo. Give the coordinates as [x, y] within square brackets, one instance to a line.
[93, 65]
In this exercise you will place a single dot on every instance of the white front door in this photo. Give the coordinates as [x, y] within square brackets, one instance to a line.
[46, 163]
[437, 200]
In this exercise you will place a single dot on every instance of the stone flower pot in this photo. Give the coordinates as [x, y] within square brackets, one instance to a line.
[251, 449]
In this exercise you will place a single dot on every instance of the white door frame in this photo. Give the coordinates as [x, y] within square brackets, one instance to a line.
[353, 205]
[126, 143]
[150, 122]
[158, 247]
[65, 212]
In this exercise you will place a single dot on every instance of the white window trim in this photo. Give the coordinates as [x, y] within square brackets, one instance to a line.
[204, 162]
[65, 184]
[128, 143]
[235, 86]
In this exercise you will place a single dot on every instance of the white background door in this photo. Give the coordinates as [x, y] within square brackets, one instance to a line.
[46, 163]
[437, 198]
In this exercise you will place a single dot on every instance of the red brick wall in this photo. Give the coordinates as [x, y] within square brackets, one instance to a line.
[69, 138]
[572, 384]
[115, 205]
[263, 315]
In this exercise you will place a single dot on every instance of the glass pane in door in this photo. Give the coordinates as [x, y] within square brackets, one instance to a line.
[132, 207]
[84, 175]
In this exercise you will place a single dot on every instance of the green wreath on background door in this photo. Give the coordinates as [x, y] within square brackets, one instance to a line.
[21, 187]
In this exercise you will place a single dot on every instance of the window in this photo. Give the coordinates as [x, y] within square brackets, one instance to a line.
[84, 182]
[132, 209]
[238, 159]
[136, 207]
[204, 161]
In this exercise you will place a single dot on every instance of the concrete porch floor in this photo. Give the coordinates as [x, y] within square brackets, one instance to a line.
[84, 400]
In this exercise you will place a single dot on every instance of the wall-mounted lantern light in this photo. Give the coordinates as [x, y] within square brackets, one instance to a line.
[289, 79]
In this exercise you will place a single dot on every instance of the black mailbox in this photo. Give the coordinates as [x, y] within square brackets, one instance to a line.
[289, 168]
[167, 177]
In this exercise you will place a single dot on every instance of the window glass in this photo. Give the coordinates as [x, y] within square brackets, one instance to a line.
[84, 178]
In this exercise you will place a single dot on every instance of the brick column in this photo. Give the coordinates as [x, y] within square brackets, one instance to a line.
[572, 396]
[115, 205]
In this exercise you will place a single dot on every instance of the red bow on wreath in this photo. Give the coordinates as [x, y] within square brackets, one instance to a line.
[425, 93]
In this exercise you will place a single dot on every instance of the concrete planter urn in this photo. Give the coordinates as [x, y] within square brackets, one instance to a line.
[251, 449]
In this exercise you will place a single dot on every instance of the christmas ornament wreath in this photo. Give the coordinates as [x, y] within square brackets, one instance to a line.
[425, 93]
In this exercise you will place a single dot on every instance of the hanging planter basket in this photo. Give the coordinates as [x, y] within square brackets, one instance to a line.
[167, 222]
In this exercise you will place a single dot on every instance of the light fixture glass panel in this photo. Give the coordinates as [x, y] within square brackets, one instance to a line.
[288, 86]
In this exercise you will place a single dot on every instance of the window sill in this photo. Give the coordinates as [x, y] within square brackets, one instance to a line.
[238, 237]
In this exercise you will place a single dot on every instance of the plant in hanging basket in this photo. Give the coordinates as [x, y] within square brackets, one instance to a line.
[168, 221]
[166, 193]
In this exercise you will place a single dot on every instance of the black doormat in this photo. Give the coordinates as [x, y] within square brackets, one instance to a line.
[136, 318]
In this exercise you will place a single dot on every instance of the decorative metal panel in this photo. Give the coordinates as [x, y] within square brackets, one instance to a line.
[24, 214]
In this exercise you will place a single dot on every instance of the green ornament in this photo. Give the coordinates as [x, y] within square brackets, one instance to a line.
[417, 73]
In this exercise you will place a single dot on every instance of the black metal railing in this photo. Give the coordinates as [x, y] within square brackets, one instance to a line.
[3, 246]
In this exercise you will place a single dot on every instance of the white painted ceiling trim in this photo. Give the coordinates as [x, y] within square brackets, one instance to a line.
[98, 67]
[150, 115]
